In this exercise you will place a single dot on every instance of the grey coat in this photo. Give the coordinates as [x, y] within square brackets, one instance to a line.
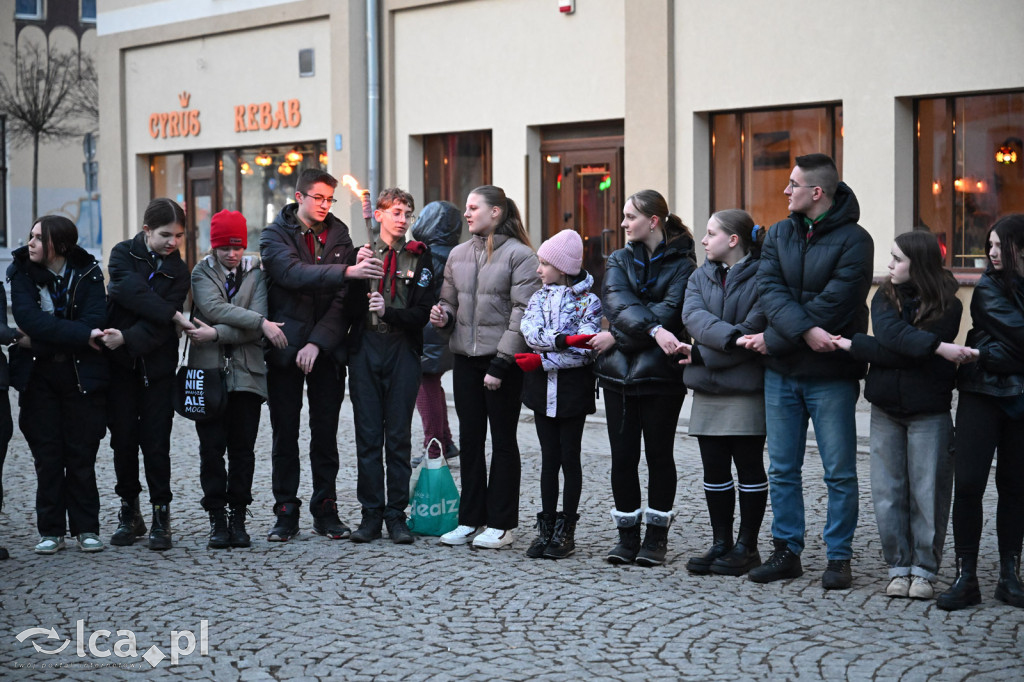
[238, 323]
[716, 317]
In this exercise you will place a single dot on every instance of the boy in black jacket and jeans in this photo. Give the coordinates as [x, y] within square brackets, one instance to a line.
[308, 258]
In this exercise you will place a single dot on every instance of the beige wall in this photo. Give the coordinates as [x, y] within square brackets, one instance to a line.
[502, 65]
[873, 56]
[235, 53]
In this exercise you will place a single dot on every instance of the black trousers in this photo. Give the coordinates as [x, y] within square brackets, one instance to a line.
[140, 417]
[652, 418]
[492, 502]
[325, 390]
[560, 445]
[981, 428]
[233, 432]
[63, 428]
[6, 432]
[384, 379]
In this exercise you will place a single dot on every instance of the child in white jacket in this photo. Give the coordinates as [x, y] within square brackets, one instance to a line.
[560, 319]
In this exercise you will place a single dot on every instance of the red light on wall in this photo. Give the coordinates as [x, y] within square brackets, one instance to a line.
[566, 6]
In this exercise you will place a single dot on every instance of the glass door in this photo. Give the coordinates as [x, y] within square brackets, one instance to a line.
[583, 192]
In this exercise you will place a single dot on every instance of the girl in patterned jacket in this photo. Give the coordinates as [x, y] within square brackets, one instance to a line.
[560, 319]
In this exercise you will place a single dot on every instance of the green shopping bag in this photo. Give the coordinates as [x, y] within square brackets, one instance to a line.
[435, 499]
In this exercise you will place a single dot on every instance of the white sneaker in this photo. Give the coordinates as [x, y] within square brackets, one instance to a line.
[49, 544]
[899, 586]
[921, 588]
[90, 542]
[460, 536]
[494, 538]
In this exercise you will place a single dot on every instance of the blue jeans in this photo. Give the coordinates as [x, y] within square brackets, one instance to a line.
[911, 487]
[829, 404]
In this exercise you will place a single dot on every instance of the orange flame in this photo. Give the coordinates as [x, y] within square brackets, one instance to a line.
[353, 185]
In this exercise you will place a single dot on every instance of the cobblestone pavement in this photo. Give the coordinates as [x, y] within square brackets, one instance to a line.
[319, 609]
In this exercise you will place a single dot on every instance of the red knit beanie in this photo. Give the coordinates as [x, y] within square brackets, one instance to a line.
[227, 228]
[565, 251]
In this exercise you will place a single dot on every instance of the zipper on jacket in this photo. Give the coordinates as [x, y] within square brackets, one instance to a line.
[71, 306]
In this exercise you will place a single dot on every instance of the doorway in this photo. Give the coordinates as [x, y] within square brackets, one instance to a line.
[583, 191]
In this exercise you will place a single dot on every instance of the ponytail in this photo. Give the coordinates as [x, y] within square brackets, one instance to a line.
[738, 222]
[511, 224]
[652, 204]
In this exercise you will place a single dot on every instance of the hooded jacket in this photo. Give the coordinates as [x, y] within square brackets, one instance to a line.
[141, 301]
[564, 386]
[906, 377]
[636, 361]
[997, 331]
[717, 315]
[238, 323]
[309, 298]
[816, 279]
[439, 227]
[54, 336]
[485, 299]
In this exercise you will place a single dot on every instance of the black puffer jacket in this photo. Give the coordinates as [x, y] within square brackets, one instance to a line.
[716, 316]
[439, 227]
[997, 331]
[308, 297]
[818, 282]
[8, 335]
[141, 301]
[636, 361]
[53, 335]
[906, 377]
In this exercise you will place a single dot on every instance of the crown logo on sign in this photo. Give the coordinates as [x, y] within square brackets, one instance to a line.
[183, 99]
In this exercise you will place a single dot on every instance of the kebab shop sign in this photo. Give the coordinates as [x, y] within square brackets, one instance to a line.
[247, 117]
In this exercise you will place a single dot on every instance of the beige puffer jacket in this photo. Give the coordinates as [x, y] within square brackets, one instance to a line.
[485, 299]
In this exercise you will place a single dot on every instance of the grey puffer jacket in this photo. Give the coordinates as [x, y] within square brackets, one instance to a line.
[715, 316]
[485, 300]
[238, 323]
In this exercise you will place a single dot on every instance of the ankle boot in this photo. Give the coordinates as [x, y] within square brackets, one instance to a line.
[743, 556]
[652, 553]
[129, 524]
[628, 524]
[160, 529]
[563, 539]
[1009, 590]
[220, 536]
[964, 591]
[369, 527]
[545, 527]
[721, 543]
[237, 535]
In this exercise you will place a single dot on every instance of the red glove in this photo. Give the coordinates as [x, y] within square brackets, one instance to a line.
[579, 340]
[528, 362]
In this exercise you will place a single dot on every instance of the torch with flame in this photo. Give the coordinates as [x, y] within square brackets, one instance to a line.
[364, 198]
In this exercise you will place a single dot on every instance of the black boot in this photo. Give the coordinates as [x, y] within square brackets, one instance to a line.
[287, 525]
[652, 553]
[1009, 590]
[964, 591]
[220, 536]
[237, 535]
[398, 529]
[369, 527]
[783, 563]
[628, 524]
[563, 538]
[160, 529]
[3, 554]
[545, 527]
[129, 524]
[743, 556]
[721, 543]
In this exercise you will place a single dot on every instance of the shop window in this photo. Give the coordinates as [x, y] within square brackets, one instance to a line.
[28, 9]
[753, 153]
[454, 164]
[969, 169]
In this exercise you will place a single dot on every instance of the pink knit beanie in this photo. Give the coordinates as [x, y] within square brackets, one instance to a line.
[564, 250]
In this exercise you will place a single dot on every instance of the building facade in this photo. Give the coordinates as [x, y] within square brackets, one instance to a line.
[921, 103]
